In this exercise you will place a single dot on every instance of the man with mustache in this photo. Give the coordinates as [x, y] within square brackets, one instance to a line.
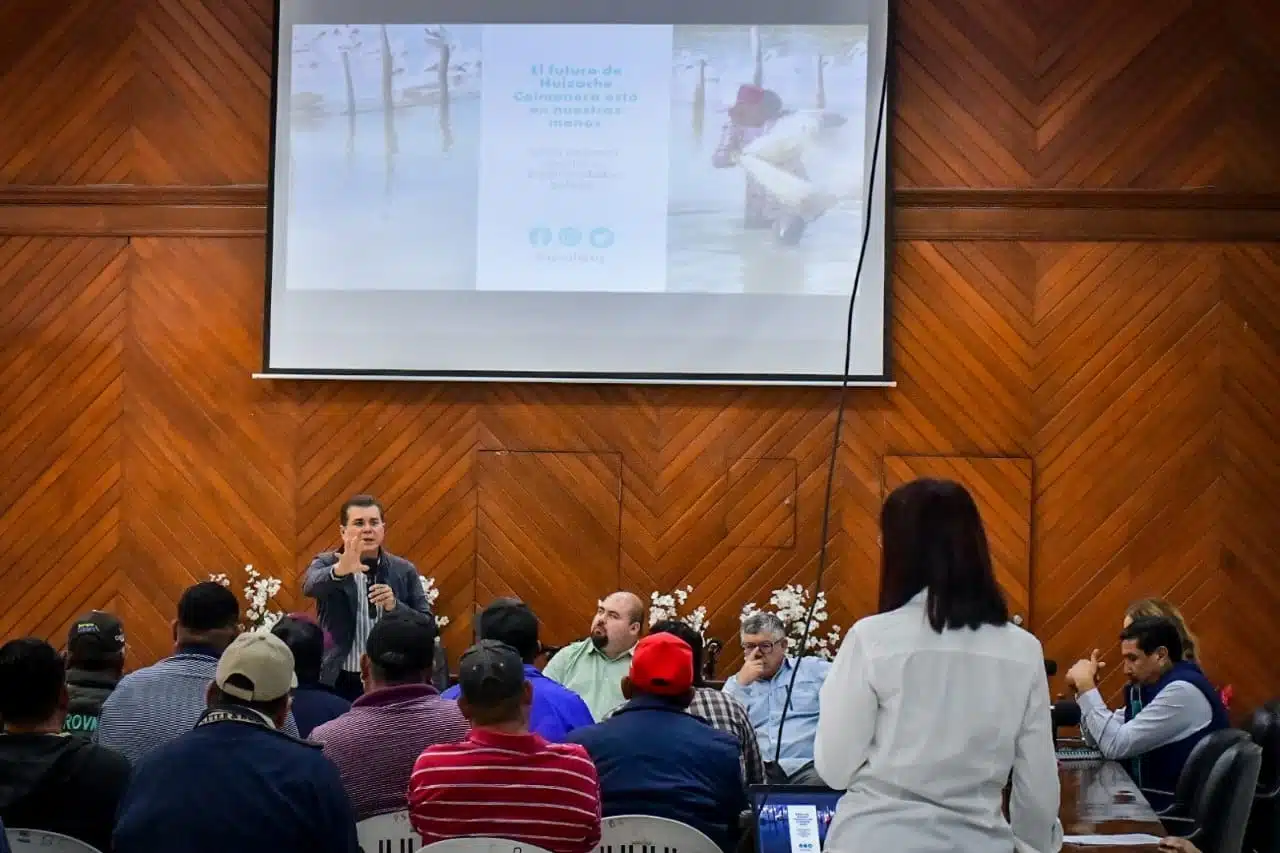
[353, 586]
[594, 668]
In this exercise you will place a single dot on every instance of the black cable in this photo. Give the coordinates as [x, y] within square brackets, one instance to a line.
[835, 438]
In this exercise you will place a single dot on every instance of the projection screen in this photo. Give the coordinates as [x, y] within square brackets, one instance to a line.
[645, 190]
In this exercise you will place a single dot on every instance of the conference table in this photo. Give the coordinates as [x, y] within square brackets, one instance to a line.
[1099, 798]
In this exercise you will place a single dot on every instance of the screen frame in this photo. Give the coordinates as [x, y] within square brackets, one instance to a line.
[883, 174]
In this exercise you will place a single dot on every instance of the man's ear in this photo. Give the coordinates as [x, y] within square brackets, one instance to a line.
[366, 671]
[211, 694]
[628, 691]
[464, 707]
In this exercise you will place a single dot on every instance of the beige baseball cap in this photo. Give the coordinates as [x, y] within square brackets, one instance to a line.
[256, 667]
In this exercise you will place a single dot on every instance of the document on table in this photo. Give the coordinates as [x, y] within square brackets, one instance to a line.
[1110, 840]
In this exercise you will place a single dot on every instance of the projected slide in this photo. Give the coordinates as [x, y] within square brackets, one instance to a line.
[660, 189]
[708, 159]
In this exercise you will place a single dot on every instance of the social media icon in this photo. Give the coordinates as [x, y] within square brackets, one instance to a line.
[539, 236]
[570, 236]
[601, 238]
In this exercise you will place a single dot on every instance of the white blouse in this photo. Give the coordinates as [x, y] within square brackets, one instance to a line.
[923, 730]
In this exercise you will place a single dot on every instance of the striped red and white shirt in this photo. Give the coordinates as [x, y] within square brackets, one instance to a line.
[498, 785]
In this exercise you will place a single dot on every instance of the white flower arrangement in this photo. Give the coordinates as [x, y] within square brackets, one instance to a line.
[430, 590]
[259, 590]
[791, 604]
[666, 606]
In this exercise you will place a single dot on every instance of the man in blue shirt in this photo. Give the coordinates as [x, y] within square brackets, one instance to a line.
[655, 758]
[761, 685]
[556, 710]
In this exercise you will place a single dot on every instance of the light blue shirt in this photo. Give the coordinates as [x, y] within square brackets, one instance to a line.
[764, 701]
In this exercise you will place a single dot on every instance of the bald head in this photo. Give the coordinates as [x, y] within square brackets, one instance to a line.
[618, 624]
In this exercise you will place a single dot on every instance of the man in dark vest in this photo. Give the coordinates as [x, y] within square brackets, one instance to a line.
[1169, 706]
[95, 664]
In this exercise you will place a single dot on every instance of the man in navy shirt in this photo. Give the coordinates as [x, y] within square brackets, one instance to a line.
[236, 781]
[556, 710]
[655, 758]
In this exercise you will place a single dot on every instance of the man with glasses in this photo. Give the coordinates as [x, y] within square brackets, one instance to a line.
[761, 685]
[353, 586]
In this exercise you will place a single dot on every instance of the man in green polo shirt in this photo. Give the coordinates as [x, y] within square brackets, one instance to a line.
[594, 668]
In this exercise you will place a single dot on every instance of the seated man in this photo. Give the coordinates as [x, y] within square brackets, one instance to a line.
[50, 780]
[655, 758]
[95, 663]
[1169, 707]
[713, 706]
[237, 781]
[761, 685]
[314, 703]
[556, 709]
[503, 781]
[593, 668]
[154, 705]
[399, 715]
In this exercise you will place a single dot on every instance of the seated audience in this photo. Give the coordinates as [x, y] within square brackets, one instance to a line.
[761, 686]
[237, 781]
[398, 716]
[715, 707]
[314, 703]
[933, 704]
[50, 780]
[1169, 707]
[655, 758]
[593, 668]
[556, 709]
[154, 705]
[504, 781]
[95, 663]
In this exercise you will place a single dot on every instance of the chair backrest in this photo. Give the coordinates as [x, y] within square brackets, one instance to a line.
[481, 845]
[1199, 764]
[33, 840]
[657, 834]
[388, 833]
[1222, 807]
[1264, 728]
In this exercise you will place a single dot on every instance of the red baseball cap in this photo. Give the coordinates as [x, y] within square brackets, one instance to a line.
[662, 664]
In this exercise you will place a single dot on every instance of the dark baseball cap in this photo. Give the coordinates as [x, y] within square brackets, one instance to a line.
[96, 635]
[402, 642]
[490, 672]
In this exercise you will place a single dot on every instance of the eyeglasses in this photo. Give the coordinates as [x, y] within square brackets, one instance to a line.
[765, 648]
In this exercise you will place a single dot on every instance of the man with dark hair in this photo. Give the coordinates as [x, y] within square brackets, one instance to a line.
[714, 707]
[236, 781]
[1169, 706]
[556, 709]
[655, 758]
[504, 781]
[375, 744]
[356, 585]
[593, 668]
[314, 703]
[95, 663]
[50, 780]
[154, 705]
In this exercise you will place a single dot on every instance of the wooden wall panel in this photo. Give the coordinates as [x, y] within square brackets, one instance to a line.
[1059, 295]
[548, 532]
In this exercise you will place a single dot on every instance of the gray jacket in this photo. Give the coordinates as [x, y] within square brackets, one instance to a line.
[336, 601]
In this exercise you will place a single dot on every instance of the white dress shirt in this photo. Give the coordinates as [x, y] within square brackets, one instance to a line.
[1178, 711]
[923, 730]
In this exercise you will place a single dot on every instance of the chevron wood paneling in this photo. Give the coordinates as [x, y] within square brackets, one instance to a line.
[1112, 403]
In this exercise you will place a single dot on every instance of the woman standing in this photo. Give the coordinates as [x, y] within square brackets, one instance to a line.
[937, 702]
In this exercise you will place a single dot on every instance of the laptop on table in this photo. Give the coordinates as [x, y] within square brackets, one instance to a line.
[792, 818]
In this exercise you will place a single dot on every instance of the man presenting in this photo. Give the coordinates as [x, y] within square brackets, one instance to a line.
[354, 586]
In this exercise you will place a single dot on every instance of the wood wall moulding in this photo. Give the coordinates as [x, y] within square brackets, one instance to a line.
[1092, 215]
